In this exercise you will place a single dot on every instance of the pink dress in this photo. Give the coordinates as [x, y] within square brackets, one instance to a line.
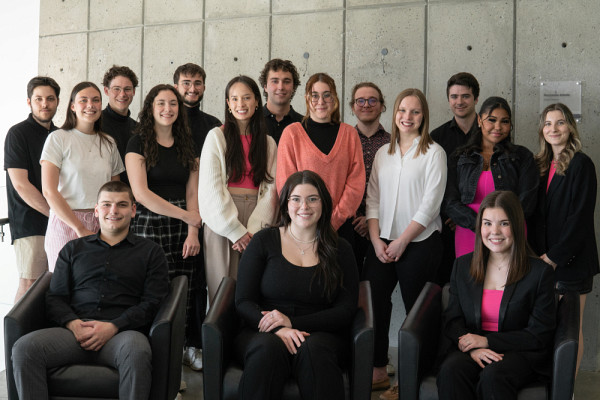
[464, 238]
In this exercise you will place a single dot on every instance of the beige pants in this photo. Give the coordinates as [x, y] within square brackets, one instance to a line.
[220, 260]
[31, 256]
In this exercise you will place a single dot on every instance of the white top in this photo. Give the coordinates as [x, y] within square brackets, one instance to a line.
[217, 208]
[82, 169]
[403, 189]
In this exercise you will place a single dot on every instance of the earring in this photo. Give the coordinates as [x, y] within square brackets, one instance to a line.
[230, 111]
[256, 109]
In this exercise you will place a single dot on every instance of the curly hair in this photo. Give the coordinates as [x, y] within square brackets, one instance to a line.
[328, 270]
[257, 128]
[115, 71]
[546, 155]
[71, 117]
[182, 136]
[277, 64]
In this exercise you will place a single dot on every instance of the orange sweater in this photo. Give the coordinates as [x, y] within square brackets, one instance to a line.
[343, 169]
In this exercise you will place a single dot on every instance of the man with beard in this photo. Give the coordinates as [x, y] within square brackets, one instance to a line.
[189, 81]
[119, 85]
[279, 79]
[27, 208]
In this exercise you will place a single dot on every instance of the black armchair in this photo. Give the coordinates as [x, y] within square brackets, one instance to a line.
[91, 381]
[222, 376]
[419, 341]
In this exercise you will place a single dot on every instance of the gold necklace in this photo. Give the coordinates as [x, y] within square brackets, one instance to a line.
[295, 239]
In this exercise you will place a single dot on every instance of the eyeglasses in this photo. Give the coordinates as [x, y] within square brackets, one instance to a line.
[371, 101]
[189, 84]
[310, 201]
[117, 89]
[326, 96]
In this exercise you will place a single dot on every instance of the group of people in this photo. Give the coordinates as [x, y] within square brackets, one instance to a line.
[298, 208]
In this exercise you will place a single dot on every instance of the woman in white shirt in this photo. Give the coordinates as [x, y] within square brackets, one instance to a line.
[404, 195]
[76, 161]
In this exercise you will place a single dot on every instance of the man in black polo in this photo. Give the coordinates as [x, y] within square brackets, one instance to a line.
[27, 207]
[119, 85]
[462, 91]
[280, 80]
[104, 294]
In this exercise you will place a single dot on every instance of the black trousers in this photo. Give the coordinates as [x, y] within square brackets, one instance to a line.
[417, 266]
[268, 365]
[448, 257]
[460, 378]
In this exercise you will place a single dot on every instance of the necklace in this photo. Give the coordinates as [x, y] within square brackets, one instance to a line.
[309, 242]
[298, 240]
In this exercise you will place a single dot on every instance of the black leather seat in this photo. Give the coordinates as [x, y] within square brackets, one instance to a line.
[420, 338]
[222, 375]
[97, 382]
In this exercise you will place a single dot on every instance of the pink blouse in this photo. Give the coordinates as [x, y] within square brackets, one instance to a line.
[551, 174]
[490, 309]
[247, 179]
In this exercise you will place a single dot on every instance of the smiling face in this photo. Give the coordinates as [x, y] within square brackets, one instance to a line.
[120, 94]
[165, 108]
[279, 88]
[461, 100]
[87, 107]
[367, 113]
[556, 130]
[191, 88]
[320, 102]
[409, 116]
[496, 232]
[43, 103]
[114, 211]
[495, 127]
[242, 102]
[304, 206]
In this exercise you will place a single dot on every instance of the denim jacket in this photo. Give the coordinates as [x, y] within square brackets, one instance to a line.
[512, 169]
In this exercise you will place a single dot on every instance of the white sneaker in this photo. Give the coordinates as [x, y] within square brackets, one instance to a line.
[196, 363]
[188, 355]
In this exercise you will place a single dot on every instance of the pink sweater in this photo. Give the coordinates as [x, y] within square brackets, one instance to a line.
[343, 169]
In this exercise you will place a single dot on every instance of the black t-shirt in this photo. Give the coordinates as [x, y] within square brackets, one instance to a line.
[120, 128]
[323, 135]
[276, 127]
[169, 176]
[23, 149]
[200, 124]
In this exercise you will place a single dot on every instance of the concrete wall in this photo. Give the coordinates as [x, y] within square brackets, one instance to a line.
[509, 45]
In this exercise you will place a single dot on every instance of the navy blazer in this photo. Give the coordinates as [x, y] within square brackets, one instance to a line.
[564, 221]
[527, 317]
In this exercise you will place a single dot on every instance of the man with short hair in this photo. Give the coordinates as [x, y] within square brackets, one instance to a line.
[119, 85]
[462, 91]
[189, 80]
[103, 296]
[27, 208]
[280, 80]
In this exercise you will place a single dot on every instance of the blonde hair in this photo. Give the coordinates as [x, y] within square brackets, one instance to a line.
[426, 140]
[545, 156]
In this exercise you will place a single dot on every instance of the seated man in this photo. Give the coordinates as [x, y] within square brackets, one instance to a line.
[103, 296]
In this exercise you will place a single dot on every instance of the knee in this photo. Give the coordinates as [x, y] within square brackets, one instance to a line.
[135, 347]
[266, 350]
[26, 349]
[314, 353]
[490, 379]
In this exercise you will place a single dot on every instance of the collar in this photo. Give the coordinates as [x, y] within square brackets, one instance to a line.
[115, 115]
[268, 114]
[380, 131]
[32, 120]
[473, 129]
[131, 238]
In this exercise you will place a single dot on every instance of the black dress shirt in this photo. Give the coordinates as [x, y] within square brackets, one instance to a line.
[276, 127]
[123, 284]
[451, 137]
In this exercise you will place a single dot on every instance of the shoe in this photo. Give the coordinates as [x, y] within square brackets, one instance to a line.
[390, 394]
[188, 354]
[182, 386]
[391, 371]
[196, 364]
[179, 397]
[380, 385]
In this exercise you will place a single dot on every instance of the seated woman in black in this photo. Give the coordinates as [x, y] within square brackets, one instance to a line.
[501, 313]
[297, 294]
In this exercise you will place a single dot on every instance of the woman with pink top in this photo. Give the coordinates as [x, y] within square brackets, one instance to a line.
[488, 162]
[501, 313]
[237, 181]
[323, 144]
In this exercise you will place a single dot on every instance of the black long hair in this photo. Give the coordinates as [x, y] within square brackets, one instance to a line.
[257, 128]
[182, 136]
[328, 270]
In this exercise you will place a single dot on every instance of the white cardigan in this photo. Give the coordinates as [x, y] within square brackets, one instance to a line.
[217, 208]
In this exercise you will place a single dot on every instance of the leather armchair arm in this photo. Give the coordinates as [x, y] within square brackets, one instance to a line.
[27, 315]
[363, 342]
[166, 337]
[418, 340]
[218, 330]
[566, 342]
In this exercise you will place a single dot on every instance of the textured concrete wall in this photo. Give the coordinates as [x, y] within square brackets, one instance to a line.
[509, 45]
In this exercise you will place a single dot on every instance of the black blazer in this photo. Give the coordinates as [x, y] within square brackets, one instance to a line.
[527, 318]
[564, 221]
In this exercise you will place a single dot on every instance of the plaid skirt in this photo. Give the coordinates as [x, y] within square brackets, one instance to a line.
[170, 234]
